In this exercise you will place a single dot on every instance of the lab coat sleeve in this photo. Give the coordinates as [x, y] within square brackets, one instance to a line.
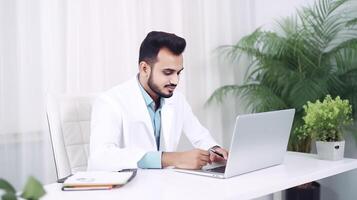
[198, 135]
[106, 139]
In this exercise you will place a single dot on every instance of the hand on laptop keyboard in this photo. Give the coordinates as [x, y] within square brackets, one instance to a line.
[218, 154]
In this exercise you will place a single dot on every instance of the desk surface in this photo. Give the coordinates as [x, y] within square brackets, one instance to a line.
[297, 169]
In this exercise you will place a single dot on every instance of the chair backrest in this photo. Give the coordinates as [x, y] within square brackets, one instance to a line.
[69, 124]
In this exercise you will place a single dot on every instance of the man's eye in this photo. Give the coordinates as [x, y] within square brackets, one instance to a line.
[167, 72]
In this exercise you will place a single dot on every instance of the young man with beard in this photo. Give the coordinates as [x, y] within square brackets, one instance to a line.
[139, 123]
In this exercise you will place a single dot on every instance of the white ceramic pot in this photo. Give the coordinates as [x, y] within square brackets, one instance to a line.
[330, 150]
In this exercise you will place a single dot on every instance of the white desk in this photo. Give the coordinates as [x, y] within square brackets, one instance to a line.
[297, 169]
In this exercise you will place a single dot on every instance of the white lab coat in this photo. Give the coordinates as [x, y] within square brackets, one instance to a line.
[122, 132]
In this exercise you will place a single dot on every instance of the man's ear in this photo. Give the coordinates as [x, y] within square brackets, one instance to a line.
[144, 68]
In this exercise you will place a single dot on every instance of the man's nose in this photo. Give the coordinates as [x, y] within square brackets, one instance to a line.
[174, 80]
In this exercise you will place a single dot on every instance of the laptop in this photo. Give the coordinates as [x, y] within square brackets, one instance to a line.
[259, 141]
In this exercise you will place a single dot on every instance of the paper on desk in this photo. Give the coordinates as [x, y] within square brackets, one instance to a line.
[98, 178]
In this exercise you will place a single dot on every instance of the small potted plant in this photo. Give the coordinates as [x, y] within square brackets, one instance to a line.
[33, 190]
[324, 121]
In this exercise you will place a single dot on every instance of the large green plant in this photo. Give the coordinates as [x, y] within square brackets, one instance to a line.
[306, 57]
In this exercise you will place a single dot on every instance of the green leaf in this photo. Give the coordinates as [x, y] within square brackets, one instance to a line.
[6, 186]
[33, 189]
[9, 196]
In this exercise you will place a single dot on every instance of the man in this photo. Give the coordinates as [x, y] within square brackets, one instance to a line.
[139, 123]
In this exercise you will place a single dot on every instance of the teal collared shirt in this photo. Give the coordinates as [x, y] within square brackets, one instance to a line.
[152, 159]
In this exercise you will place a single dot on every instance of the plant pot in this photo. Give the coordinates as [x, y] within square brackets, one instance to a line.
[330, 150]
[308, 191]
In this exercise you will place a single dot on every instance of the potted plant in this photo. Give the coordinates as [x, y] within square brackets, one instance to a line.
[325, 120]
[33, 190]
[306, 57]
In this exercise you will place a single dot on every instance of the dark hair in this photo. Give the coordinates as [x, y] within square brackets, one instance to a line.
[155, 40]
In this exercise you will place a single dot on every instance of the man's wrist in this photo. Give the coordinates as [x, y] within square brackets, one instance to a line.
[168, 159]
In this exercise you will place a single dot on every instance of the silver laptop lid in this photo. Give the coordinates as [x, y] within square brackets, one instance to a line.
[259, 140]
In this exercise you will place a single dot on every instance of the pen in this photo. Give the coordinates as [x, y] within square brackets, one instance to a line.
[217, 153]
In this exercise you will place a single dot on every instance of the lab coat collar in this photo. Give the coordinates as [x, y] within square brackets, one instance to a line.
[138, 110]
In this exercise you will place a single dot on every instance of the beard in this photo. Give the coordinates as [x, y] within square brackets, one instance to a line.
[154, 87]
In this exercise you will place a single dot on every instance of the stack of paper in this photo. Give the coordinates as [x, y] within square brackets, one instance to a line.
[96, 180]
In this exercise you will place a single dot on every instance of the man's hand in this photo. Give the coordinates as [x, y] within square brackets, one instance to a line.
[193, 159]
[214, 157]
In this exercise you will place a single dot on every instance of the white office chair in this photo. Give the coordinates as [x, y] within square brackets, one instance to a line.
[69, 124]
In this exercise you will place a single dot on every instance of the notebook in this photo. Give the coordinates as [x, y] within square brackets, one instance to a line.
[97, 180]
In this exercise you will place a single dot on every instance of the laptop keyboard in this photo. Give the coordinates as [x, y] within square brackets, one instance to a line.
[220, 169]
